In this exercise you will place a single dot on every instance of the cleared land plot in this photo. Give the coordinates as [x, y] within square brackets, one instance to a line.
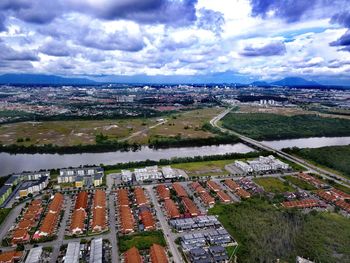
[185, 124]
[142, 240]
[266, 126]
[208, 168]
[274, 185]
[68, 133]
[299, 183]
[267, 234]
[336, 158]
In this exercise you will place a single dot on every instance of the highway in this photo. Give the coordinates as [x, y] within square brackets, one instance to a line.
[312, 168]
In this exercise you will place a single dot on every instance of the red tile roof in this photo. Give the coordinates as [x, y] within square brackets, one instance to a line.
[341, 194]
[213, 186]
[197, 187]
[307, 203]
[10, 256]
[78, 221]
[157, 254]
[180, 191]
[191, 208]
[207, 198]
[147, 220]
[343, 205]
[140, 196]
[56, 203]
[81, 201]
[163, 192]
[126, 219]
[171, 208]
[232, 184]
[242, 193]
[99, 199]
[20, 236]
[123, 197]
[132, 256]
[327, 195]
[49, 224]
[99, 219]
[224, 197]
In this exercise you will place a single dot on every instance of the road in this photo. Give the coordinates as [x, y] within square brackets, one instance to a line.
[60, 235]
[301, 162]
[112, 221]
[10, 219]
[169, 235]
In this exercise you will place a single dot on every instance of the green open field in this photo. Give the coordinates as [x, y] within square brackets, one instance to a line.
[3, 214]
[333, 157]
[265, 233]
[207, 168]
[299, 183]
[186, 124]
[267, 126]
[142, 240]
[274, 185]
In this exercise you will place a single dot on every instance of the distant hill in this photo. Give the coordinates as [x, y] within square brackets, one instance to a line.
[260, 83]
[295, 81]
[41, 79]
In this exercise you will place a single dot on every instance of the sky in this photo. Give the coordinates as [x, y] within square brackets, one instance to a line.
[208, 40]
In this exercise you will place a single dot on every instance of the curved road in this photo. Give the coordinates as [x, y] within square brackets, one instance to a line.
[312, 168]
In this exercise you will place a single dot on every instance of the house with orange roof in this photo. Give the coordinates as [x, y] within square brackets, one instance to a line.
[213, 186]
[11, 256]
[158, 254]
[163, 192]
[132, 256]
[140, 196]
[180, 191]
[171, 209]
[224, 197]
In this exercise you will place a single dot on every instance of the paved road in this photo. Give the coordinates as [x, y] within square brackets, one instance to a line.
[10, 219]
[60, 235]
[169, 236]
[312, 168]
[112, 221]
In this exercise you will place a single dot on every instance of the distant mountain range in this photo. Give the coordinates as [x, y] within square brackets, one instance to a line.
[42, 79]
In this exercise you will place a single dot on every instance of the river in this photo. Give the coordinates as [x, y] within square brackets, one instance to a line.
[11, 163]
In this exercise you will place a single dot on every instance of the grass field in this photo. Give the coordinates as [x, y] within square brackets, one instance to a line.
[186, 124]
[208, 168]
[142, 240]
[3, 214]
[266, 126]
[332, 157]
[274, 185]
[299, 183]
[265, 233]
[69, 133]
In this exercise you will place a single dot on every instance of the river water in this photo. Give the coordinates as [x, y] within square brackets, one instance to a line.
[11, 163]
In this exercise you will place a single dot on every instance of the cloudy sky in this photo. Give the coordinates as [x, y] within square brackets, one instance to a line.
[225, 40]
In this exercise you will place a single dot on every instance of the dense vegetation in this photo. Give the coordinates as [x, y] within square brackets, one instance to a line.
[334, 157]
[300, 183]
[266, 126]
[177, 141]
[265, 233]
[142, 240]
[3, 214]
